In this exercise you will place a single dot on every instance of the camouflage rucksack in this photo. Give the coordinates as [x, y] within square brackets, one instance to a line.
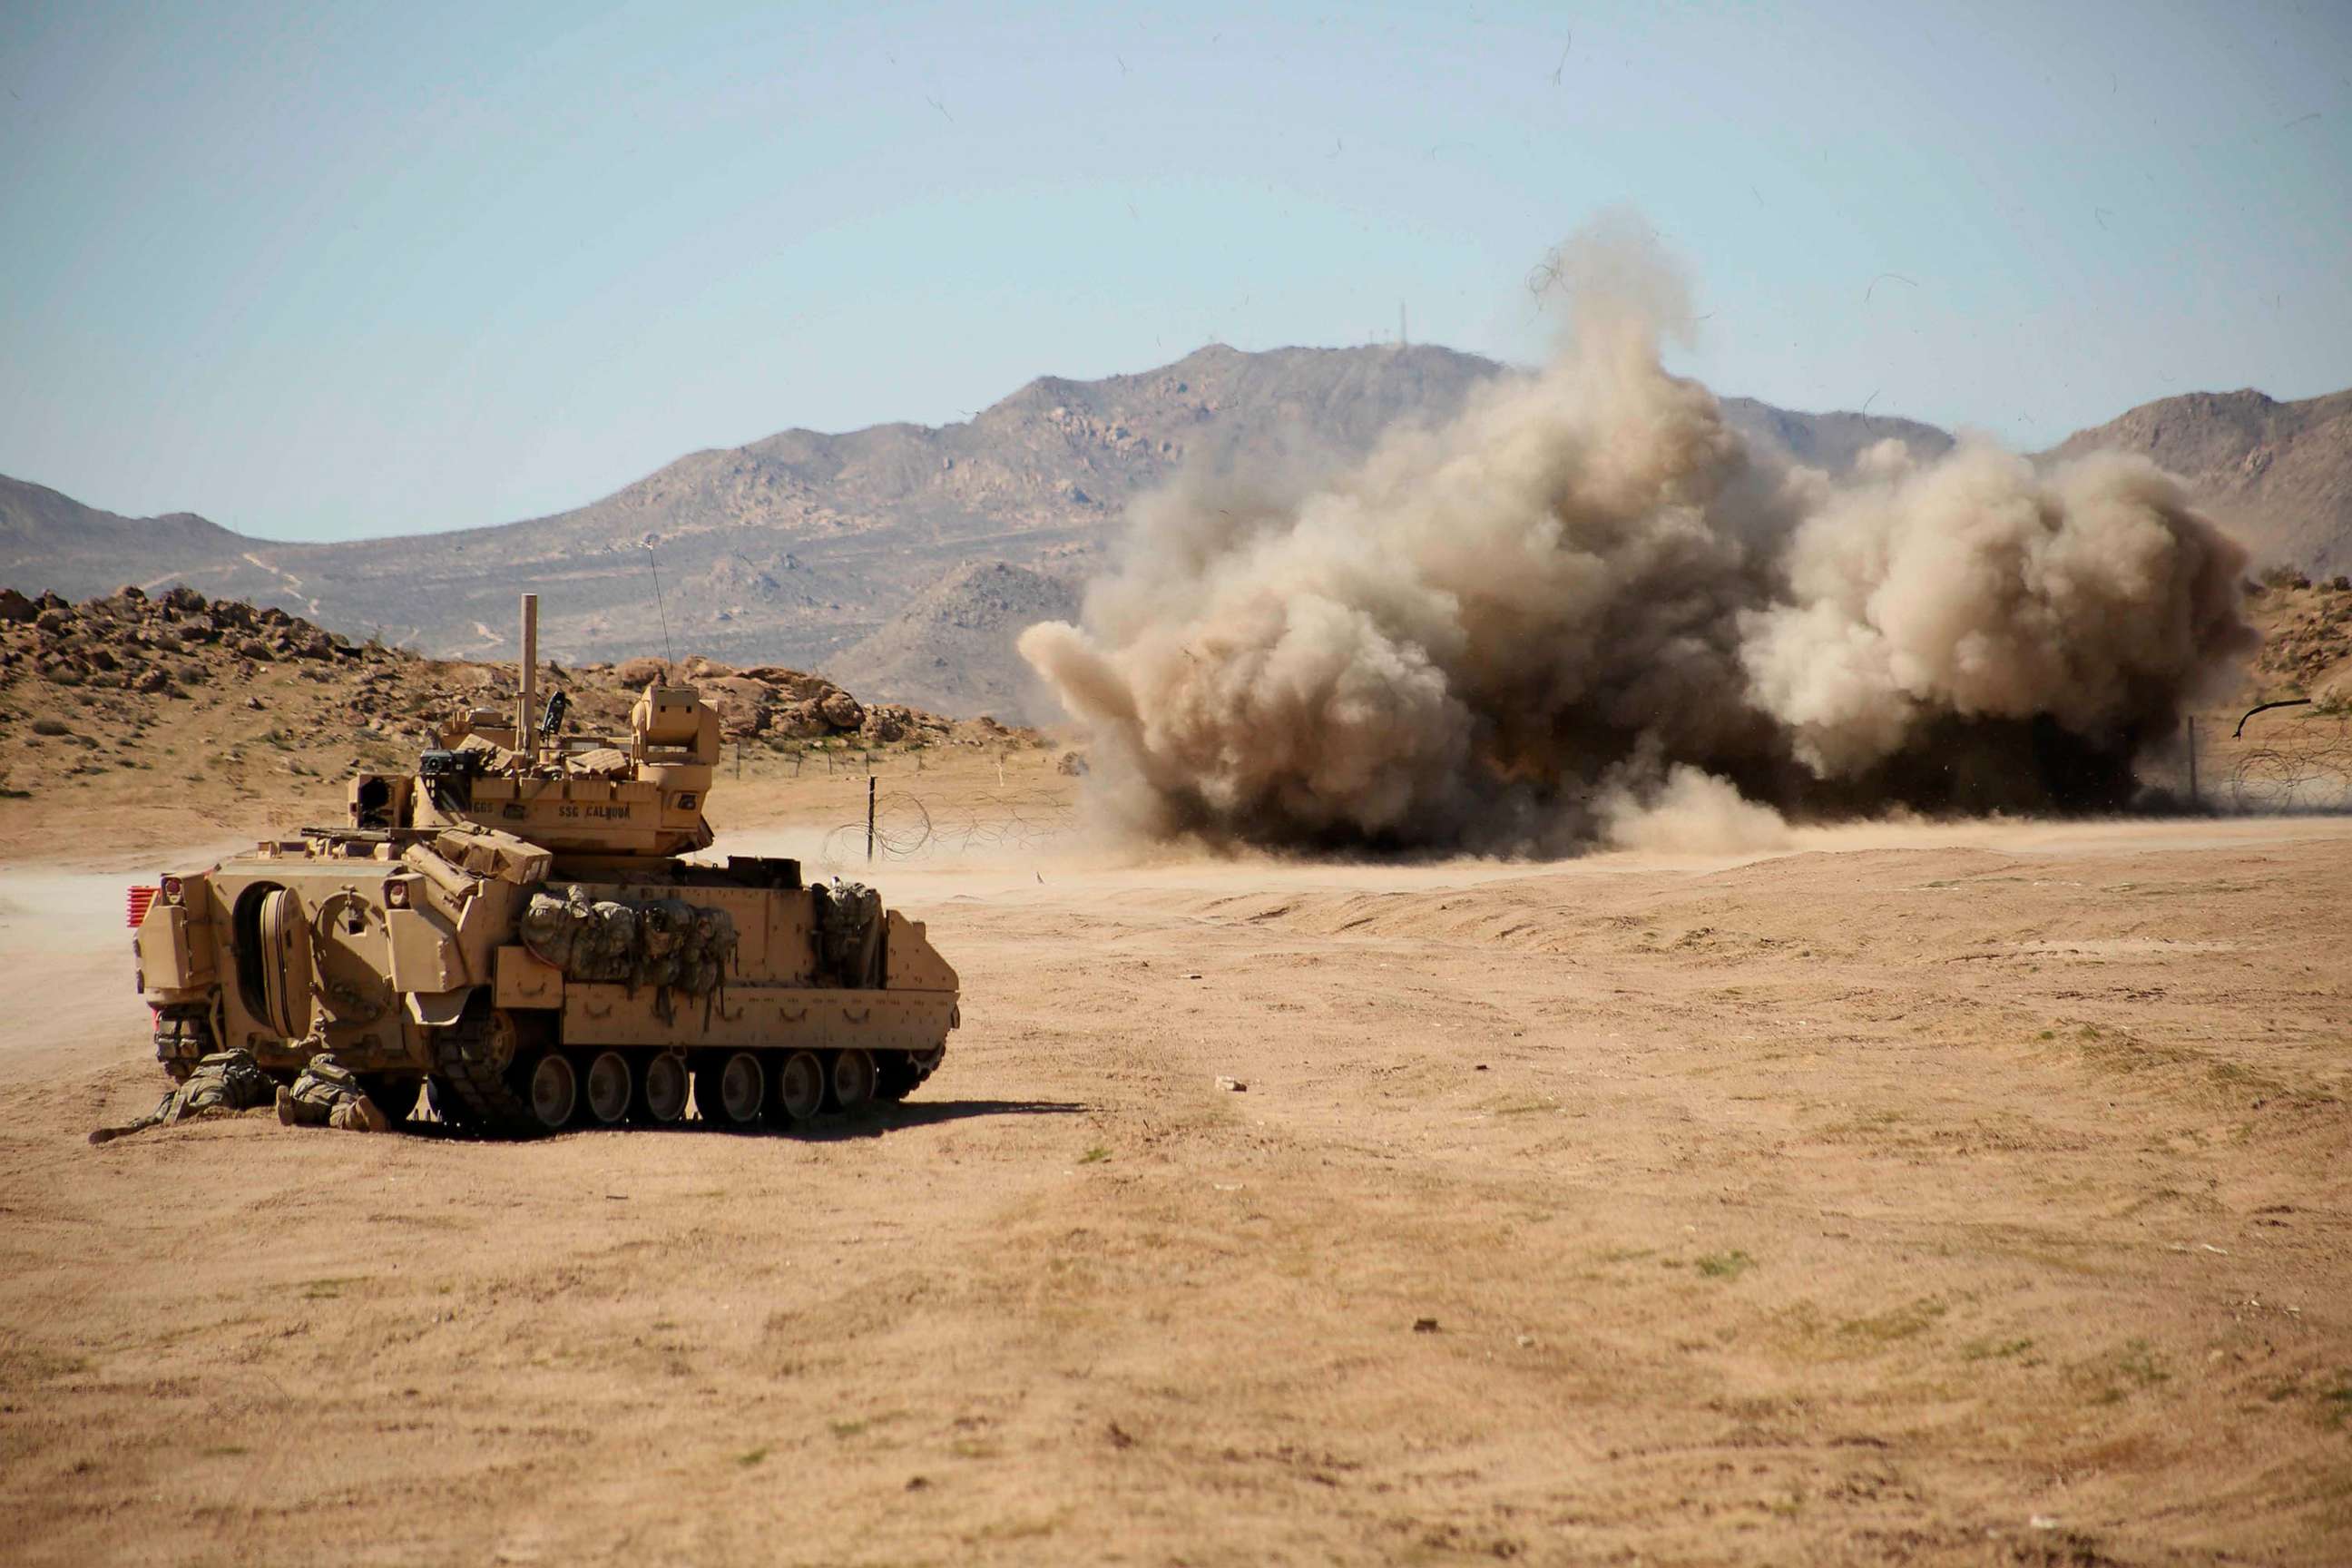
[222, 1081]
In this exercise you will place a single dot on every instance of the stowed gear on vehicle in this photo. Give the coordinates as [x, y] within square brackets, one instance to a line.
[516, 928]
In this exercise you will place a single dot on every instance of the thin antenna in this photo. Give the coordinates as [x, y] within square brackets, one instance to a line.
[669, 654]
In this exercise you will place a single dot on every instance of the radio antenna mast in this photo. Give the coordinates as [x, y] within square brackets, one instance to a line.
[669, 654]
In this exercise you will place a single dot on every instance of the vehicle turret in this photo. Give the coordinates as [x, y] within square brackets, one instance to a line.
[636, 796]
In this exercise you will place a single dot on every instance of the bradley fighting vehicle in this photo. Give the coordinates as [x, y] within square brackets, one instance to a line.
[516, 928]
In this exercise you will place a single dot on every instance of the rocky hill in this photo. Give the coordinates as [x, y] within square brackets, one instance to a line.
[56, 542]
[2307, 637]
[1829, 441]
[948, 649]
[2279, 474]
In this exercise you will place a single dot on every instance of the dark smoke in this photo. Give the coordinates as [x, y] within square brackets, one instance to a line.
[1586, 602]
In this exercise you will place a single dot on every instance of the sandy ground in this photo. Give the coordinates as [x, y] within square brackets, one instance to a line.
[1965, 1195]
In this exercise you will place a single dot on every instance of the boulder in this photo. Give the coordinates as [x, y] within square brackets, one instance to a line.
[637, 674]
[15, 608]
[742, 704]
[887, 722]
[802, 721]
[842, 711]
[795, 685]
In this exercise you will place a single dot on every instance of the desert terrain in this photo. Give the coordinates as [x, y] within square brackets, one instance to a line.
[1632, 734]
[1968, 1193]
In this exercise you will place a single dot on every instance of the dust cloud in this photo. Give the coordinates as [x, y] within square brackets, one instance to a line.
[1586, 611]
[1690, 813]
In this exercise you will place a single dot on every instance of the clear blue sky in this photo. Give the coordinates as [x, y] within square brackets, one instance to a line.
[323, 272]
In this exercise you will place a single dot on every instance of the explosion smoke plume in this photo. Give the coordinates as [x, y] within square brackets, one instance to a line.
[1514, 632]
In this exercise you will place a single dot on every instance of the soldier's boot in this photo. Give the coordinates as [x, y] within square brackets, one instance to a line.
[360, 1114]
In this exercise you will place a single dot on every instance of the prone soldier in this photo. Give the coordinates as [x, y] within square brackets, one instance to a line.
[221, 1084]
[329, 1094]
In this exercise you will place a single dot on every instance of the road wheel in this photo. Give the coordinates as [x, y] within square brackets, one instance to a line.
[608, 1088]
[853, 1080]
[731, 1089]
[552, 1087]
[800, 1086]
[661, 1096]
[482, 1066]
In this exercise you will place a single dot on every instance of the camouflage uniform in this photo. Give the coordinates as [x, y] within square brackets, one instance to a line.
[329, 1094]
[221, 1084]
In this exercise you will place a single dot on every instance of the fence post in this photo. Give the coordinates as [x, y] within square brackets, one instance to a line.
[869, 819]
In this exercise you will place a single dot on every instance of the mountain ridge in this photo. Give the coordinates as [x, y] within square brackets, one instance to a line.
[2277, 474]
[818, 550]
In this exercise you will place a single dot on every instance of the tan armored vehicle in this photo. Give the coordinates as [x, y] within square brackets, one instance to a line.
[516, 926]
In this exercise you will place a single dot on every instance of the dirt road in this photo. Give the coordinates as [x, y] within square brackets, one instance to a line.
[1944, 1195]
